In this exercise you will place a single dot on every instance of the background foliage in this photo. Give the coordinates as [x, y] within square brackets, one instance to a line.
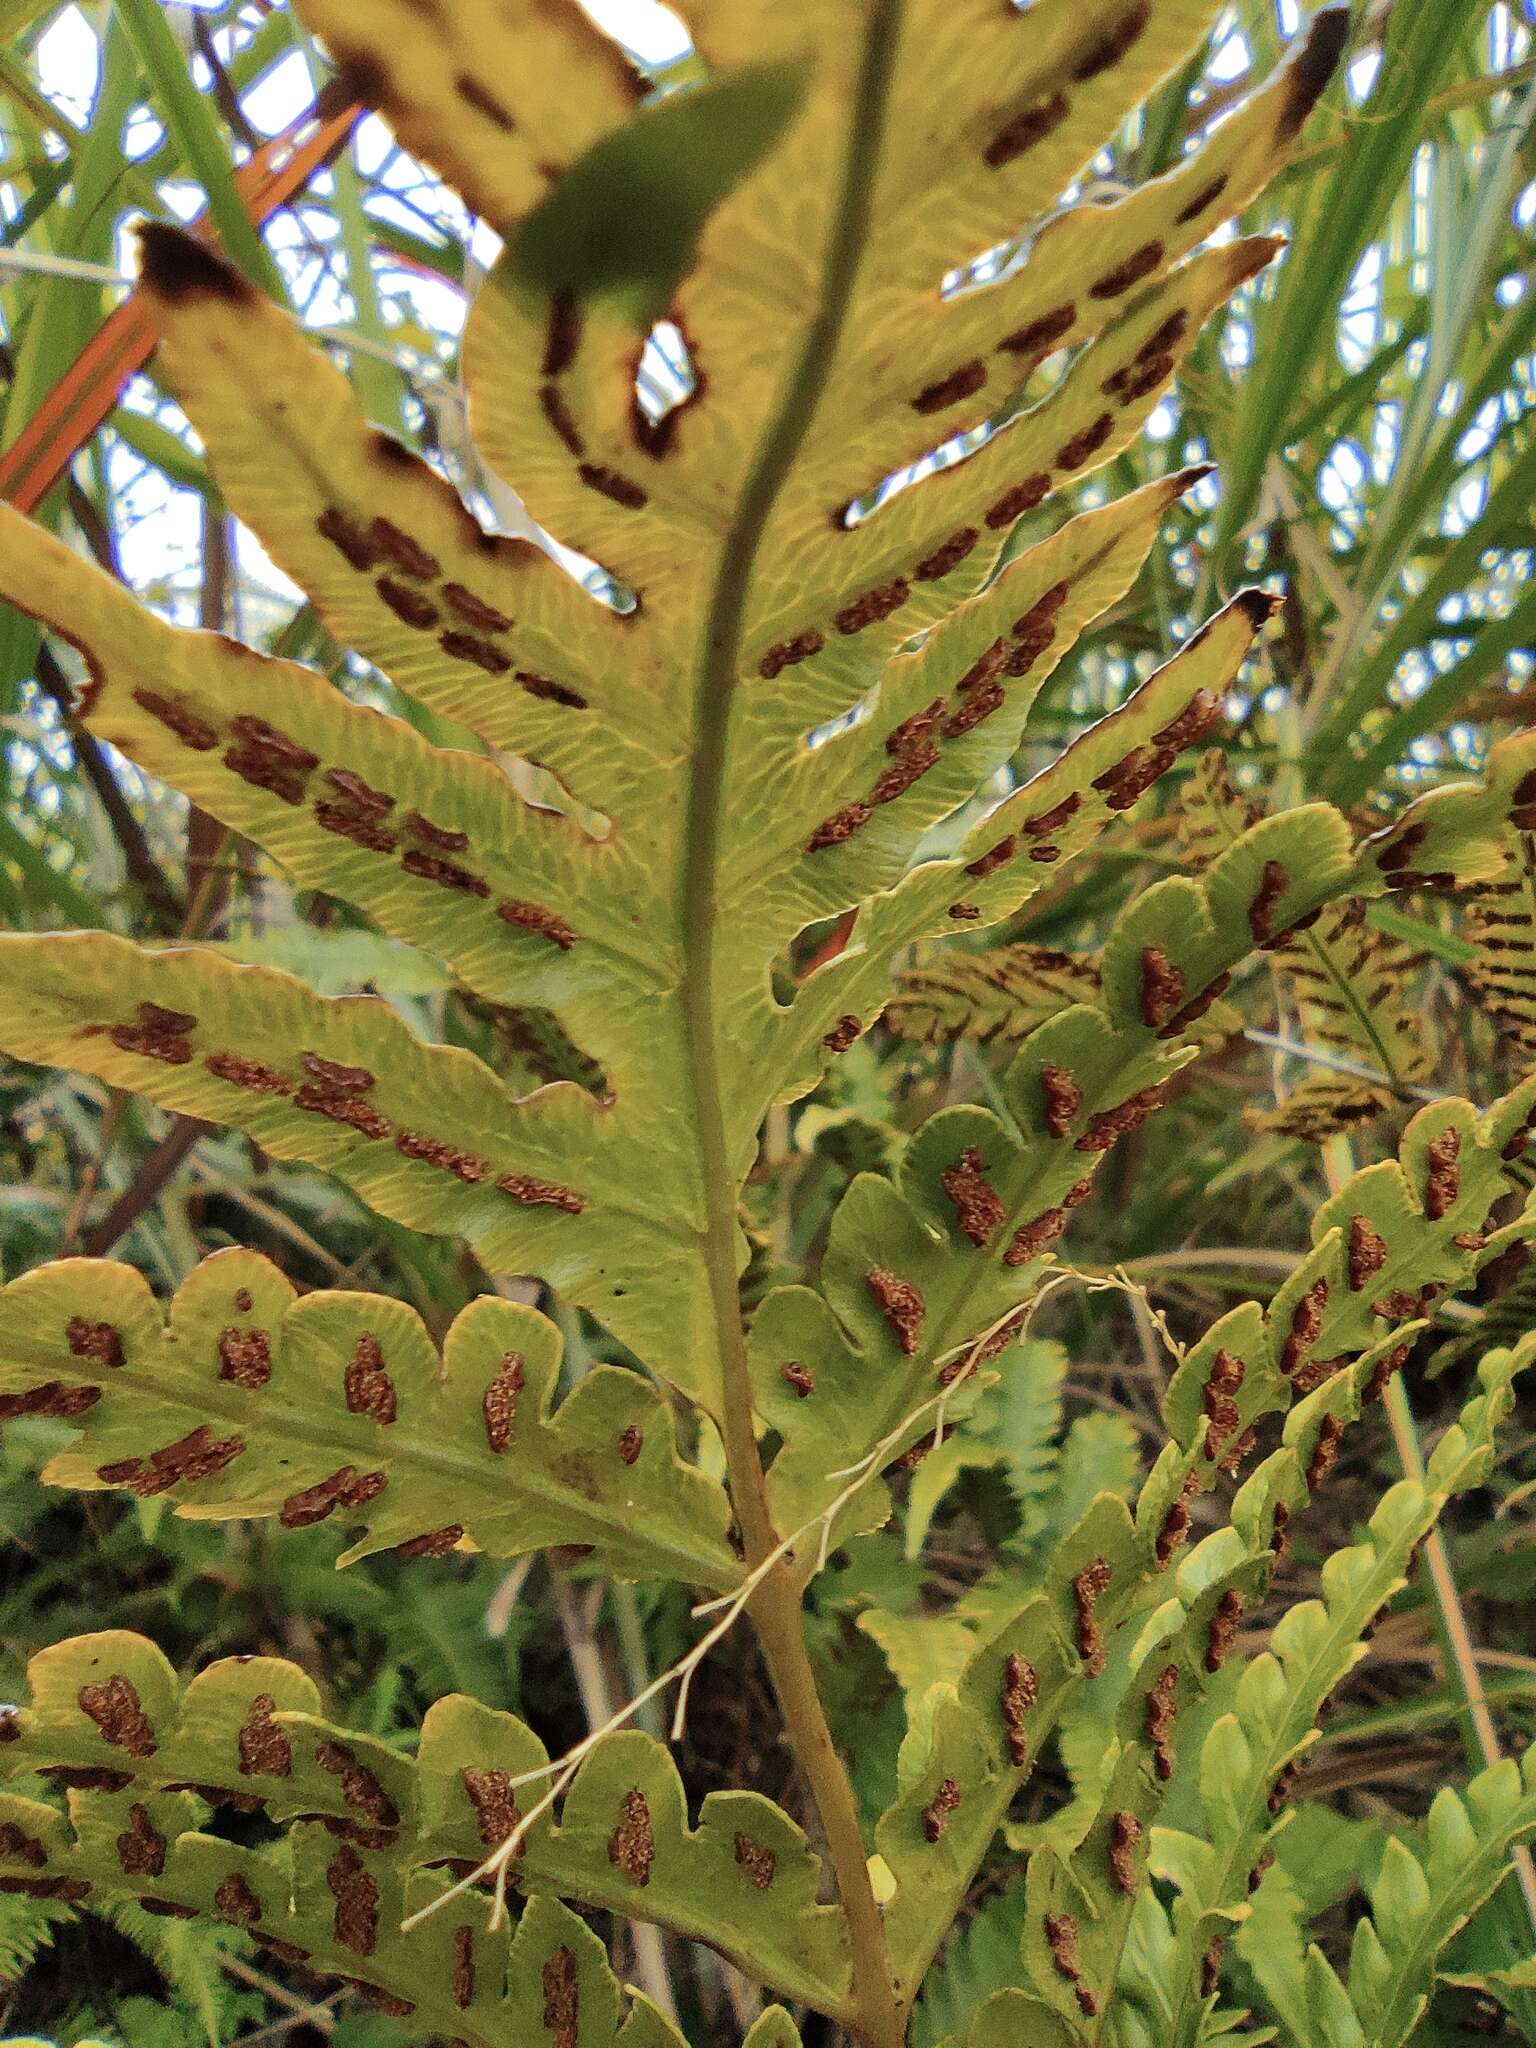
[1367, 408]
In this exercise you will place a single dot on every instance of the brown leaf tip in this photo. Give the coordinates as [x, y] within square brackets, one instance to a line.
[178, 268]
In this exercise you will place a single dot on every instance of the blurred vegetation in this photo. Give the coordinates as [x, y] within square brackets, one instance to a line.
[1368, 407]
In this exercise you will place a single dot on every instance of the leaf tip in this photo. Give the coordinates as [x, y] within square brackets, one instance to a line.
[177, 267]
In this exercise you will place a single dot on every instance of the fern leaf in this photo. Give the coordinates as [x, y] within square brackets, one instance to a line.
[250, 1403]
[110, 1720]
[1502, 926]
[1319, 1352]
[918, 1271]
[994, 997]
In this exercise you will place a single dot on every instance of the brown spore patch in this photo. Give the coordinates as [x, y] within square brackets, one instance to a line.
[1037, 336]
[842, 1034]
[1106, 1126]
[873, 606]
[141, 1846]
[1034, 1237]
[474, 610]
[1125, 1839]
[1306, 1327]
[947, 556]
[1077, 448]
[1031, 125]
[963, 382]
[244, 1073]
[447, 874]
[1021, 1691]
[1219, 1402]
[1326, 39]
[631, 1442]
[17, 1846]
[800, 1377]
[269, 759]
[1223, 1631]
[359, 1787]
[1202, 201]
[499, 1402]
[1114, 44]
[936, 1813]
[1175, 1525]
[191, 730]
[995, 857]
[979, 705]
[757, 1862]
[901, 1304]
[445, 838]
[1274, 880]
[236, 1902]
[978, 1207]
[1443, 1183]
[404, 551]
[264, 1748]
[118, 1712]
[562, 1999]
[538, 921]
[356, 1924]
[1088, 1588]
[461, 1984]
[613, 485]
[1162, 1709]
[1325, 1453]
[1139, 264]
[839, 828]
[785, 653]
[313, 1504]
[1061, 1936]
[1132, 775]
[435, 1543]
[632, 1845]
[1062, 1098]
[965, 913]
[366, 1384]
[446, 1158]
[56, 1399]
[471, 647]
[1022, 498]
[340, 1108]
[412, 607]
[490, 1794]
[349, 539]
[1367, 1252]
[553, 692]
[159, 1034]
[99, 1342]
[1044, 822]
[541, 1194]
[1162, 987]
[910, 765]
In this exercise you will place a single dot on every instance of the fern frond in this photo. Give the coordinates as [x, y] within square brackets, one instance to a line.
[110, 1721]
[250, 1402]
[995, 997]
[1502, 926]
